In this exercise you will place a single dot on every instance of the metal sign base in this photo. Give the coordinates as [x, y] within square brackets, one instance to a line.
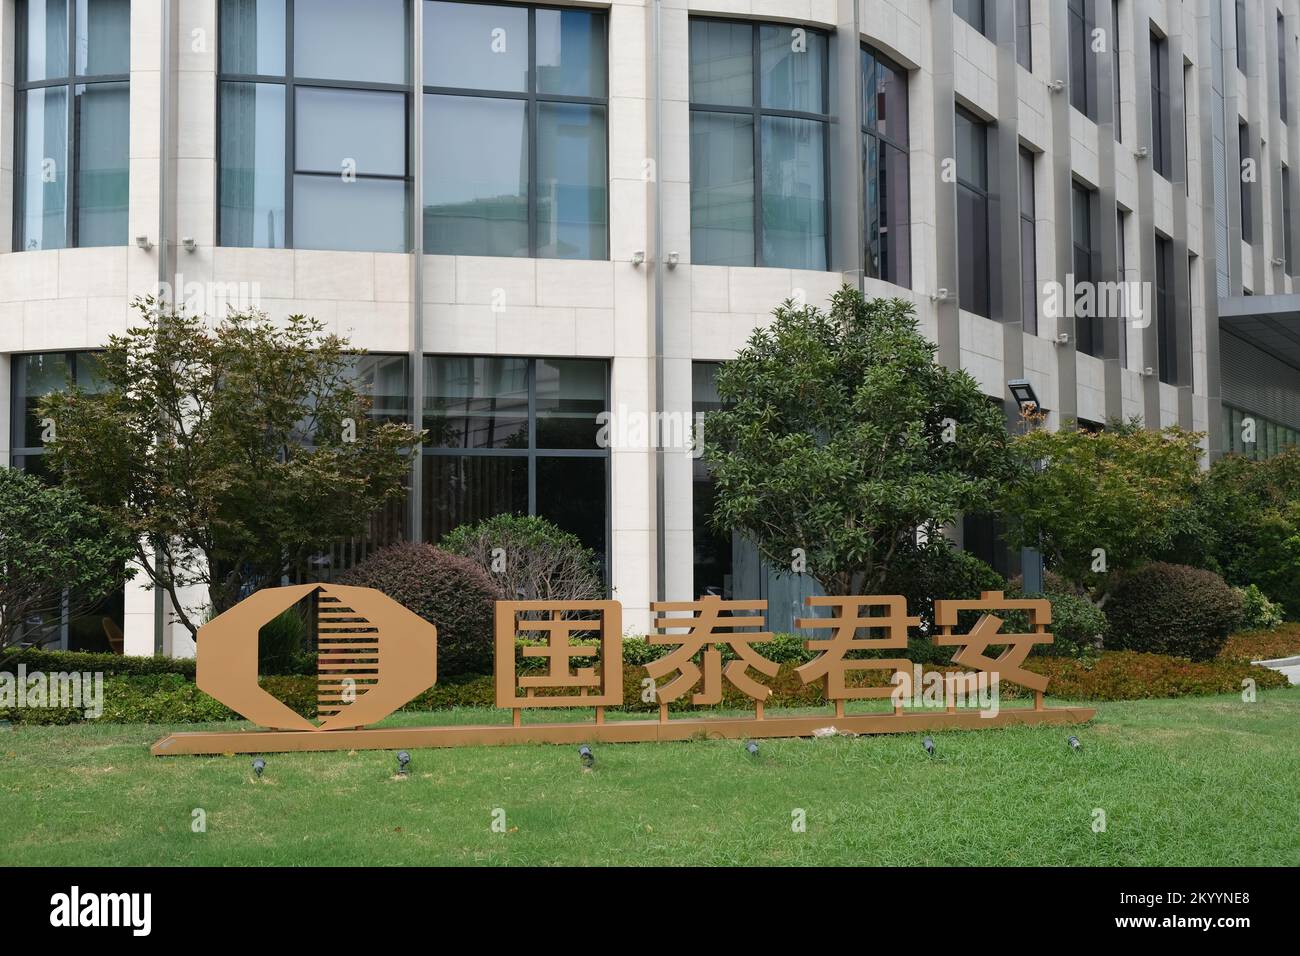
[600, 731]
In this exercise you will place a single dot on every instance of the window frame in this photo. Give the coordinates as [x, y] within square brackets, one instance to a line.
[533, 452]
[1161, 136]
[532, 100]
[885, 141]
[1028, 235]
[290, 83]
[984, 194]
[756, 112]
[69, 82]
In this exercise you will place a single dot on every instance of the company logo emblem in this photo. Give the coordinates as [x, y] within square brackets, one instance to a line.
[373, 655]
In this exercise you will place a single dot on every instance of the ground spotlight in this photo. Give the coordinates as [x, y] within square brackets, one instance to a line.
[587, 757]
[928, 744]
[258, 766]
[1073, 741]
[752, 747]
[403, 760]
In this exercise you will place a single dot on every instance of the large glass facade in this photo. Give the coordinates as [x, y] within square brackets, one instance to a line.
[886, 183]
[759, 104]
[1269, 437]
[518, 436]
[1028, 243]
[516, 131]
[72, 128]
[313, 124]
[1166, 320]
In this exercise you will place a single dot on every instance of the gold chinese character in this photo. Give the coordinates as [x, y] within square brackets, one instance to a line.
[987, 633]
[706, 626]
[849, 616]
[559, 621]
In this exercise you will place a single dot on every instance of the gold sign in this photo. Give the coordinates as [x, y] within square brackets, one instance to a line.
[374, 655]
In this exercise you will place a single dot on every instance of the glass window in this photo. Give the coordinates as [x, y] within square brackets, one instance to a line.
[346, 40]
[1247, 209]
[1165, 319]
[103, 117]
[366, 215]
[1024, 36]
[476, 188]
[1287, 257]
[1160, 132]
[532, 179]
[1241, 35]
[1082, 66]
[1121, 258]
[1028, 244]
[103, 37]
[1117, 114]
[252, 165]
[515, 435]
[305, 160]
[476, 46]
[973, 235]
[356, 130]
[1087, 324]
[73, 129]
[252, 37]
[758, 167]
[886, 179]
[572, 184]
[1281, 67]
[972, 11]
[722, 188]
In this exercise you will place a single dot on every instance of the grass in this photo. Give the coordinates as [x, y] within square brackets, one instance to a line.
[1204, 781]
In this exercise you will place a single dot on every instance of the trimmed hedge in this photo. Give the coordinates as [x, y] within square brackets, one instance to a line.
[449, 591]
[110, 665]
[1172, 609]
[1116, 675]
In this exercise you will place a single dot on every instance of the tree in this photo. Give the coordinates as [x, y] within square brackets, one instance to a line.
[529, 558]
[232, 452]
[1246, 526]
[54, 547]
[1098, 503]
[843, 438]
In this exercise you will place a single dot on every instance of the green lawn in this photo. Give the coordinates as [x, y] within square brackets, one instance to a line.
[1198, 781]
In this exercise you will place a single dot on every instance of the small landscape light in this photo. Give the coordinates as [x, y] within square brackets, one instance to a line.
[928, 744]
[403, 760]
[1073, 741]
[258, 766]
[587, 757]
[752, 747]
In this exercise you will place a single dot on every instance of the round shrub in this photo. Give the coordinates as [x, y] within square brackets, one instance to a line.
[1172, 609]
[1078, 626]
[452, 593]
[540, 561]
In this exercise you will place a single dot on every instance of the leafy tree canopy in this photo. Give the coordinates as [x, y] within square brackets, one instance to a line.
[232, 452]
[843, 437]
[53, 547]
[1099, 503]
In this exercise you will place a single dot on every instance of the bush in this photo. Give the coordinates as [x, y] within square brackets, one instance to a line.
[1258, 612]
[447, 590]
[1078, 626]
[1172, 609]
[540, 561]
[937, 570]
[110, 665]
[1126, 675]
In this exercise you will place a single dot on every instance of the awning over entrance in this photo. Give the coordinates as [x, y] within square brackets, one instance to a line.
[1271, 323]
